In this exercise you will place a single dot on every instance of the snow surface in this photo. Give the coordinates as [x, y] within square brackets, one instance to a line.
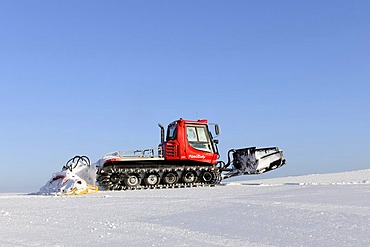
[314, 210]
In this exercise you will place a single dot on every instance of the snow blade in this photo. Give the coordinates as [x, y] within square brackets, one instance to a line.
[76, 178]
[67, 183]
[254, 160]
[89, 189]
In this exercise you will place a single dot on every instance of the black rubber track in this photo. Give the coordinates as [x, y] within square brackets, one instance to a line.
[118, 178]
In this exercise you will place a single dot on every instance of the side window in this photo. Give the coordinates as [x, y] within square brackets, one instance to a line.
[172, 132]
[198, 138]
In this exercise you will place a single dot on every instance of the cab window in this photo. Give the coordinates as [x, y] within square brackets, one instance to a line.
[172, 132]
[198, 138]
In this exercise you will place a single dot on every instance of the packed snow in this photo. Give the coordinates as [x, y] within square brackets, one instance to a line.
[313, 210]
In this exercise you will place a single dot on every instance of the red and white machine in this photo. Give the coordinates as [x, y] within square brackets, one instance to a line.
[187, 156]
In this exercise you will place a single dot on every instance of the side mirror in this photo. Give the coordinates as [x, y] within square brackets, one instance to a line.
[217, 129]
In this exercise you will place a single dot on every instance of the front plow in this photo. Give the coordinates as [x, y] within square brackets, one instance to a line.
[76, 178]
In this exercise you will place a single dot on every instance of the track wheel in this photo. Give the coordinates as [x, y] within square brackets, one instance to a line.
[132, 181]
[115, 178]
[207, 176]
[170, 178]
[111, 179]
[152, 179]
[189, 177]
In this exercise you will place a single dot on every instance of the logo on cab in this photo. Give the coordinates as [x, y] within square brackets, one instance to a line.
[198, 156]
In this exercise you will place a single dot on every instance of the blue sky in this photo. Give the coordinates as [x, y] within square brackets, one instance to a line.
[90, 77]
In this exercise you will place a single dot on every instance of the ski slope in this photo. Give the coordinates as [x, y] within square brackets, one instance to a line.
[313, 210]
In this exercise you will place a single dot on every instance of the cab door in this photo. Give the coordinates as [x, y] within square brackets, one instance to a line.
[200, 144]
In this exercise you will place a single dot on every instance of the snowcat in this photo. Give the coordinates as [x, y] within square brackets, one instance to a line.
[187, 156]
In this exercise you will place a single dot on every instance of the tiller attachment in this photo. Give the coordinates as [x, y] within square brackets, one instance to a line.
[252, 160]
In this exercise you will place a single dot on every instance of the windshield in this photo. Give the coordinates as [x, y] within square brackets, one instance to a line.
[198, 137]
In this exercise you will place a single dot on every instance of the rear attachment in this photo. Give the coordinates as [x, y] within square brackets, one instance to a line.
[252, 160]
